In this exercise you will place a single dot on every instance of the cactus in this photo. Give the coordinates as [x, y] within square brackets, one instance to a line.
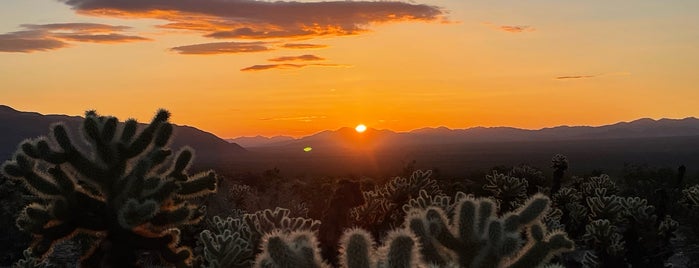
[535, 178]
[30, 261]
[298, 249]
[228, 244]
[476, 237]
[399, 250]
[127, 190]
[510, 192]
[605, 240]
[382, 209]
[559, 163]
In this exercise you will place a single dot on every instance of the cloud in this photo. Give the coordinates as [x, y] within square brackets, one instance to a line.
[306, 57]
[262, 67]
[221, 48]
[28, 41]
[575, 77]
[44, 37]
[303, 46]
[516, 28]
[254, 19]
[510, 28]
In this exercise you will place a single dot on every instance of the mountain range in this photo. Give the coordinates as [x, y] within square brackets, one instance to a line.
[17, 126]
[641, 128]
[455, 152]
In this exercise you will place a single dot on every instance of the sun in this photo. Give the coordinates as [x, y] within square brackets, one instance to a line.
[360, 128]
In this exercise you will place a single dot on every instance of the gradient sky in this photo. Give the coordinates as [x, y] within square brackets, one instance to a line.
[245, 67]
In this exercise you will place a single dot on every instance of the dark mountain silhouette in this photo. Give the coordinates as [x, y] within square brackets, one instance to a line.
[348, 138]
[17, 126]
[664, 142]
[258, 141]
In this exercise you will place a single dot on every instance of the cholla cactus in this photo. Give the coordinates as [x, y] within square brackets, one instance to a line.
[536, 180]
[228, 244]
[127, 191]
[603, 206]
[446, 203]
[559, 163]
[400, 250]
[382, 209]
[30, 261]
[603, 181]
[476, 237]
[510, 192]
[605, 240]
[297, 249]
[690, 197]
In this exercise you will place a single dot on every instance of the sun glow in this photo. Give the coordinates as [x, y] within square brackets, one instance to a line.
[360, 128]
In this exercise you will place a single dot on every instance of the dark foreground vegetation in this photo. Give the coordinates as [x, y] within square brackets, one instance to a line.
[119, 197]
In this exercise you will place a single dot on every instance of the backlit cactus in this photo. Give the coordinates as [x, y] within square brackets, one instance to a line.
[117, 183]
[227, 244]
[477, 237]
[297, 249]
[399, 250]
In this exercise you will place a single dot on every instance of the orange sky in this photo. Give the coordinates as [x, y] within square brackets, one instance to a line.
[278, 68]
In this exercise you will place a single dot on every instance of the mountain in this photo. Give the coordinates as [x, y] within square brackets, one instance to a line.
[258, 141]
[17, 126]
[664, 142]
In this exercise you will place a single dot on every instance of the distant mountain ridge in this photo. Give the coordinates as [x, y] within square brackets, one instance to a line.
[641, 128]
[18, 126]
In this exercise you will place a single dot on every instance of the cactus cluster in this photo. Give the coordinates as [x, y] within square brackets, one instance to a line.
[233, 242]
[118, 184]
[619, 231]
[510, 192]
[382, 209]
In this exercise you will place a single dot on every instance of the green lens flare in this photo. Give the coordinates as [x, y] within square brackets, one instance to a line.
[307, 149]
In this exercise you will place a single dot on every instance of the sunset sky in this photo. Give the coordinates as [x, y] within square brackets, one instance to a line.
[246, 67]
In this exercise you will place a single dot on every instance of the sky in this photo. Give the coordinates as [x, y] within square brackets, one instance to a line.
[248, 67]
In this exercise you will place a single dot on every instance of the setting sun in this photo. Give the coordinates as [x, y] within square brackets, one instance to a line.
[360, 128]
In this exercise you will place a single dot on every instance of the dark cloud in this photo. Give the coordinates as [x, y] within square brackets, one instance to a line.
[255, 19]
[516, 28]
[262, 67]
[76, 27]
[221, 48]
[575, 77]
[28, 41]
[44, 37]
[101, 38]
[303, 46]
[298, 58]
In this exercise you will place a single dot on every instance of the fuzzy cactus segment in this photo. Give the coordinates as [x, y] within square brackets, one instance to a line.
[293, 250]
[227, 244]
[477, 237]
[399, 250]
[122, 185]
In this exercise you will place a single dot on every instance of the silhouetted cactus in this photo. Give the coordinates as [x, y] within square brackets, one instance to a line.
[559, 163]
[227, 244]
[382, 209]
[336, 218]
[399, 250]
[127, 190]
[536, 181]
[476, 237]
[607, 244]
[31, 261]
[509, 192]
[298, 249]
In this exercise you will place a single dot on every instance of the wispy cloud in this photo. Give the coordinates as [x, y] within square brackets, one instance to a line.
[516, 28]
[575, 77]
[262, 67]
[303, 46]
[221, 48]
[306, 57]
[44, 37]
[510, 28]
[592, 75]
